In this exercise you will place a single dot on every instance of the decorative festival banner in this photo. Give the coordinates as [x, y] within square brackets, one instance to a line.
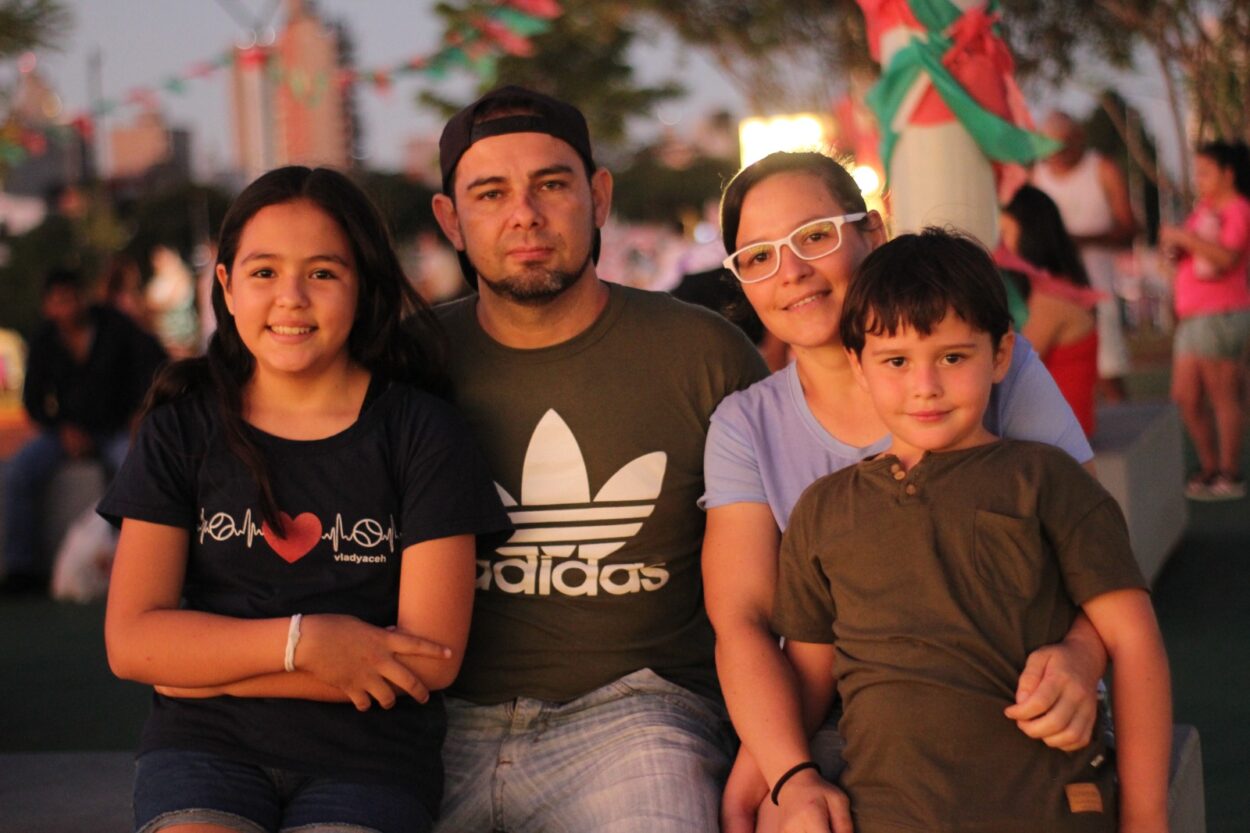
[947, 93]
[476, 37]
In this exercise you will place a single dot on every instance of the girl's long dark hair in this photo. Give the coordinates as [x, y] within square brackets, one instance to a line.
[394, 336]
[1044, 240]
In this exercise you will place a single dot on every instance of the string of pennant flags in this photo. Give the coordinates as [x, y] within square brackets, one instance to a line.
[475, 39]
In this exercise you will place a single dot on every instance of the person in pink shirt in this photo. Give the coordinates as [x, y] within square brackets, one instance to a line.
[1212, 300]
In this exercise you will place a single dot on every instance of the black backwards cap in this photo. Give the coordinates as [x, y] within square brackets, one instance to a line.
[521, 111]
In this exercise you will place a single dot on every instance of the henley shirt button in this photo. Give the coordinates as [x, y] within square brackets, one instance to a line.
[899, 474]
[896, 468]
[910, 488]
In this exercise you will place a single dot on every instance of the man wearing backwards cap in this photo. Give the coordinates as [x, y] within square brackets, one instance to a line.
[588, 695]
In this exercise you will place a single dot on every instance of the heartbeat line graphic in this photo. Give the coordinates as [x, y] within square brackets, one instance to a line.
[221, 527]
[366, 532]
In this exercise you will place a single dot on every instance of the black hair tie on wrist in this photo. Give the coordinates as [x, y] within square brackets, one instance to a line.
[790, 773]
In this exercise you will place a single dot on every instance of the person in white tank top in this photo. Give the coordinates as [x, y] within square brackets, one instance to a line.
[1092, 196]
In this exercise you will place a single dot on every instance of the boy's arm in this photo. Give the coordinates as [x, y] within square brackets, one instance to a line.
[1142, 704]
[807, 800]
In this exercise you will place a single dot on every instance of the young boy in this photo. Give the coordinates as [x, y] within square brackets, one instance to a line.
[932, 570]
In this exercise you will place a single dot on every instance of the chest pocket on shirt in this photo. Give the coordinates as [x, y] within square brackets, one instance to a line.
[1007, 553]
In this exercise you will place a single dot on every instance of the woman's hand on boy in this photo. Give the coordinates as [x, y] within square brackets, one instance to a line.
[1057, 696]
[810, 804]
[362, 660]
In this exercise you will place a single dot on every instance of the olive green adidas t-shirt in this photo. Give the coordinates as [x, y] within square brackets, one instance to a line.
[596, 447]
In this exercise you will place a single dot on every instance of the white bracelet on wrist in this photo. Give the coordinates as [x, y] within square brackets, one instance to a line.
[292, 642]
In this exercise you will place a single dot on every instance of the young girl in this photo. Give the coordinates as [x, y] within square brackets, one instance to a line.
[1061, 323]
[1213, 310]
[297, 542]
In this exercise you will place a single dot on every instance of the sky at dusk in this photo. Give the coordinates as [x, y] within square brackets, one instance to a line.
[144, 42]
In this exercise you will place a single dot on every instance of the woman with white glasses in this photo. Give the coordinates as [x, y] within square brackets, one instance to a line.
[796, 227]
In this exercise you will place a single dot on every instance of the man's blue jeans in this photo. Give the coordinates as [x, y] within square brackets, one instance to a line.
[25, 482]
[640, 754]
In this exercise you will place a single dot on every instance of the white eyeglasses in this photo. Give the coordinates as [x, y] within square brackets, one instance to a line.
[760, 261]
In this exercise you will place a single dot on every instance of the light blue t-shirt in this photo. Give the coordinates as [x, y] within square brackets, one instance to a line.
[766, 446]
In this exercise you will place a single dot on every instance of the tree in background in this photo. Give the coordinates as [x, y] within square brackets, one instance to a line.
[31, 24]
[582, 58]
[1207, 44]
[24, 25]
[649, 191]
[1203, 45]
[404, 203]
[1115, 130]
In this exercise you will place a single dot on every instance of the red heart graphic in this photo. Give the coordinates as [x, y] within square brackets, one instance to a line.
[302, 534]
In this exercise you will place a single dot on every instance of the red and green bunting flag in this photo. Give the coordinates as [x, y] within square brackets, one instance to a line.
[477, 36]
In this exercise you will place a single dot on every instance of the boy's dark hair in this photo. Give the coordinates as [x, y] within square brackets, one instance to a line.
[1234, 156]
[915, 279]
[1044, 240]
[61, 279]
[394, 335]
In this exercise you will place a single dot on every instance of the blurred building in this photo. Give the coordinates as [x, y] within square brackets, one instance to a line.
[287, 100]
[146, 144]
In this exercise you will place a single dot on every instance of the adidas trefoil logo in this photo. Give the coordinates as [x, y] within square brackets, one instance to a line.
[562, 534]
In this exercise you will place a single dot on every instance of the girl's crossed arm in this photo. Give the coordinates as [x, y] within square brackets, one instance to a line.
[191, 653]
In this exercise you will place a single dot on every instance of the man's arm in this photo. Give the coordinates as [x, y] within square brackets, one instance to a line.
[1123, 223]
[37, 384]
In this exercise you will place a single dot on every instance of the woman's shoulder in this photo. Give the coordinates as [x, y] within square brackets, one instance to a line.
[767, 397]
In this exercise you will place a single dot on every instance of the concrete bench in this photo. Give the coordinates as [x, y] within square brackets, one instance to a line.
[68, 792]
[1187, 806]
[1140, 461]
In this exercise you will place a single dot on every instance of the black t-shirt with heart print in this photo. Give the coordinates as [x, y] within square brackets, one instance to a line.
[407, 471]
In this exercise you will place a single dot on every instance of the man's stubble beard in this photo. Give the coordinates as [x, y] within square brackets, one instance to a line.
[534, 286]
